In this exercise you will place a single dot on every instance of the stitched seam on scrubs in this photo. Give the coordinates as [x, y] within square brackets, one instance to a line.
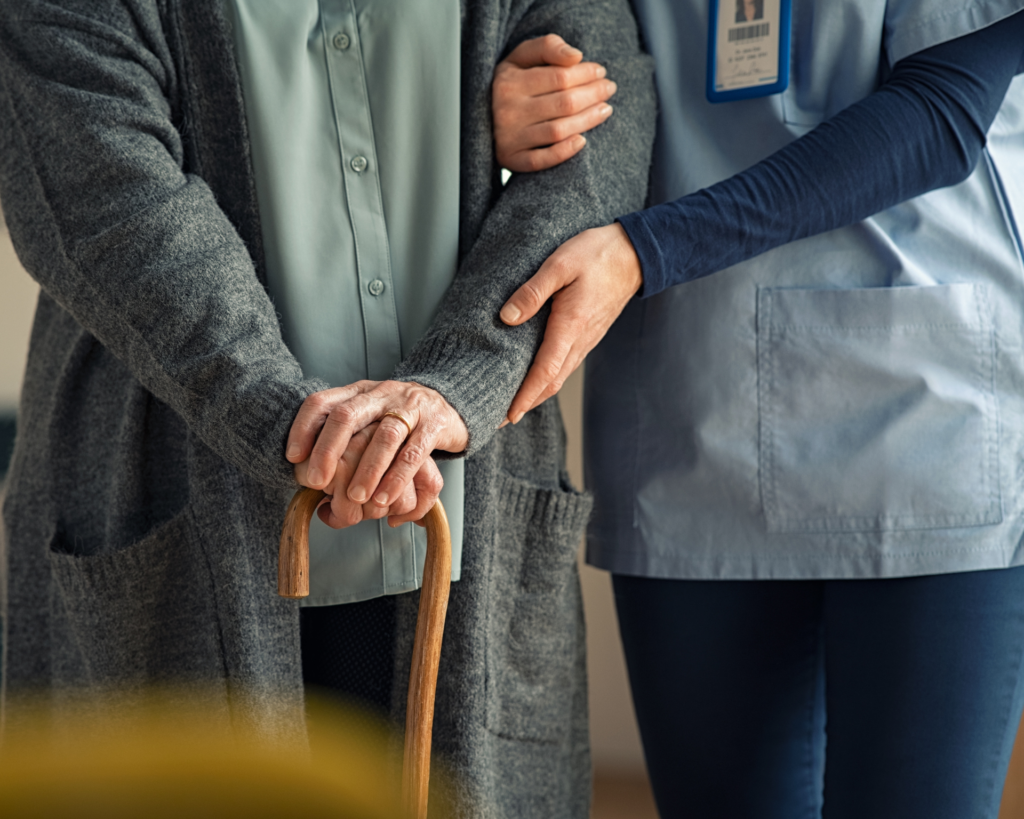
[765, 390]
[636, 403]
[971, 12]
[895, 329]
[841, 551]
[987, 352]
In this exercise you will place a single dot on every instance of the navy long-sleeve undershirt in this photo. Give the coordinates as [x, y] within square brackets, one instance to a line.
[923, 129]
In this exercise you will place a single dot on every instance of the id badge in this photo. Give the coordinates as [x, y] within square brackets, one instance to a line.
[748, 49]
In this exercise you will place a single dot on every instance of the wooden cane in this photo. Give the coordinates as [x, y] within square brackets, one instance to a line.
[293, 581]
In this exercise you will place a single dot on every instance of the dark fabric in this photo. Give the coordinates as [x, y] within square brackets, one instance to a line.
[7, 430]
[348, 652]
[889, 699]
[923, 129]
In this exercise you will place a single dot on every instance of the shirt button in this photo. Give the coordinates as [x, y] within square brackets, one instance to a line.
[341, 41]
[376, 287]
[359, 164]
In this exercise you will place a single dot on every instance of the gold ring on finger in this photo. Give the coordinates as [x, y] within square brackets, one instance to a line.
[401, 418]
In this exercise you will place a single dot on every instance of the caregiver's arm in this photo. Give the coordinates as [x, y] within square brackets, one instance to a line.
[923, 129]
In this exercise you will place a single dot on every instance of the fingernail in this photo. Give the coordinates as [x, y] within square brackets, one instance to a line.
[503, 424]
[614, 85]
[293, 450]
[510, 313]
[315, 477]
[518, 417]
[601, 72]
[579, 141]
[569, 51]
[382, 498]
[357, 493]
[606, 110]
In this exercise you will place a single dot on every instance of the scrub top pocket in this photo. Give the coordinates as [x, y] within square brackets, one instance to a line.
[877, 409]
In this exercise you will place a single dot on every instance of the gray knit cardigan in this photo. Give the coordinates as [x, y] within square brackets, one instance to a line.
[148, 480]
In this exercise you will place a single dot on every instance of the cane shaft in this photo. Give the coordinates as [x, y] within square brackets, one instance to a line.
[293, 582]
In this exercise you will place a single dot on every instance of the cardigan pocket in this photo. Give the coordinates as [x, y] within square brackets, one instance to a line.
[536, 644]
[139, 615]
[877, 409]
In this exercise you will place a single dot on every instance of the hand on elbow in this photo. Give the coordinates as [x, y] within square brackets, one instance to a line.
[589, 280]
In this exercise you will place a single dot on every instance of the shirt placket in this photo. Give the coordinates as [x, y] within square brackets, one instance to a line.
[362, 190]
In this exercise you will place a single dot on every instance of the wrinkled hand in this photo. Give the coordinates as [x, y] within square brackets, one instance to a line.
[592, 277]
[542, 99]
[338, 512]
[371, 472]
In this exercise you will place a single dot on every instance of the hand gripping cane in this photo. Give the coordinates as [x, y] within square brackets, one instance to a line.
[293, 581]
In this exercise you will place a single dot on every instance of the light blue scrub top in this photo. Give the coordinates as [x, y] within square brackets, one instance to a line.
[353, 114]
[849, 405]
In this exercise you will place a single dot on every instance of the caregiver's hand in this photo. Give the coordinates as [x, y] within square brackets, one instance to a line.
[592, 277]
[542, 99]
[389, 459]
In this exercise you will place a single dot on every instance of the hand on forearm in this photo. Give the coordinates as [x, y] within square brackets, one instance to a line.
[375, 469]
[591, 279]
[543, 99]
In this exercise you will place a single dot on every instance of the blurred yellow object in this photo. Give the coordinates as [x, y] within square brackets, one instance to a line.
[157, 760]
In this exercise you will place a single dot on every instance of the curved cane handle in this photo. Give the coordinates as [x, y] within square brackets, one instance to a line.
[293, 581]
[293, 553]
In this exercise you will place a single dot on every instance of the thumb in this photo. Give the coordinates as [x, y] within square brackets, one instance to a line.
[548, 50]
[528, 299]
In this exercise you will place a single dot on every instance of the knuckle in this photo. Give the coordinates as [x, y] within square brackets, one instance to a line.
[567, 103]
[551, 41]
[503, 120]
[343, 416]
[532, 295]
[533, 161]
[412, 454]
[434, 484]
[390, 434]
[562, 78]
[502, 89]
[560, 130]
[550, 371]
[317, 401]
[547, 132]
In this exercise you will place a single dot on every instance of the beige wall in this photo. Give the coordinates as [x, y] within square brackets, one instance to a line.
[17, 303]
[615, 740]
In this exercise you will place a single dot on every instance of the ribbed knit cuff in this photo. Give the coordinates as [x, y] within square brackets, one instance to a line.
[441, 364]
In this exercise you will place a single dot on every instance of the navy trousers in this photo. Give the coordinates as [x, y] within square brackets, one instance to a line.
[842, 699]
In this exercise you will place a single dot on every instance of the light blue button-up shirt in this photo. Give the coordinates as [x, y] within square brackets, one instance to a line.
[849, 405]
[353, 114]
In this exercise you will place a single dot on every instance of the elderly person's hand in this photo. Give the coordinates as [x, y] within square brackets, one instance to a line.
[592, 277]
[337, 511]
[542, 99]
[371, 472]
